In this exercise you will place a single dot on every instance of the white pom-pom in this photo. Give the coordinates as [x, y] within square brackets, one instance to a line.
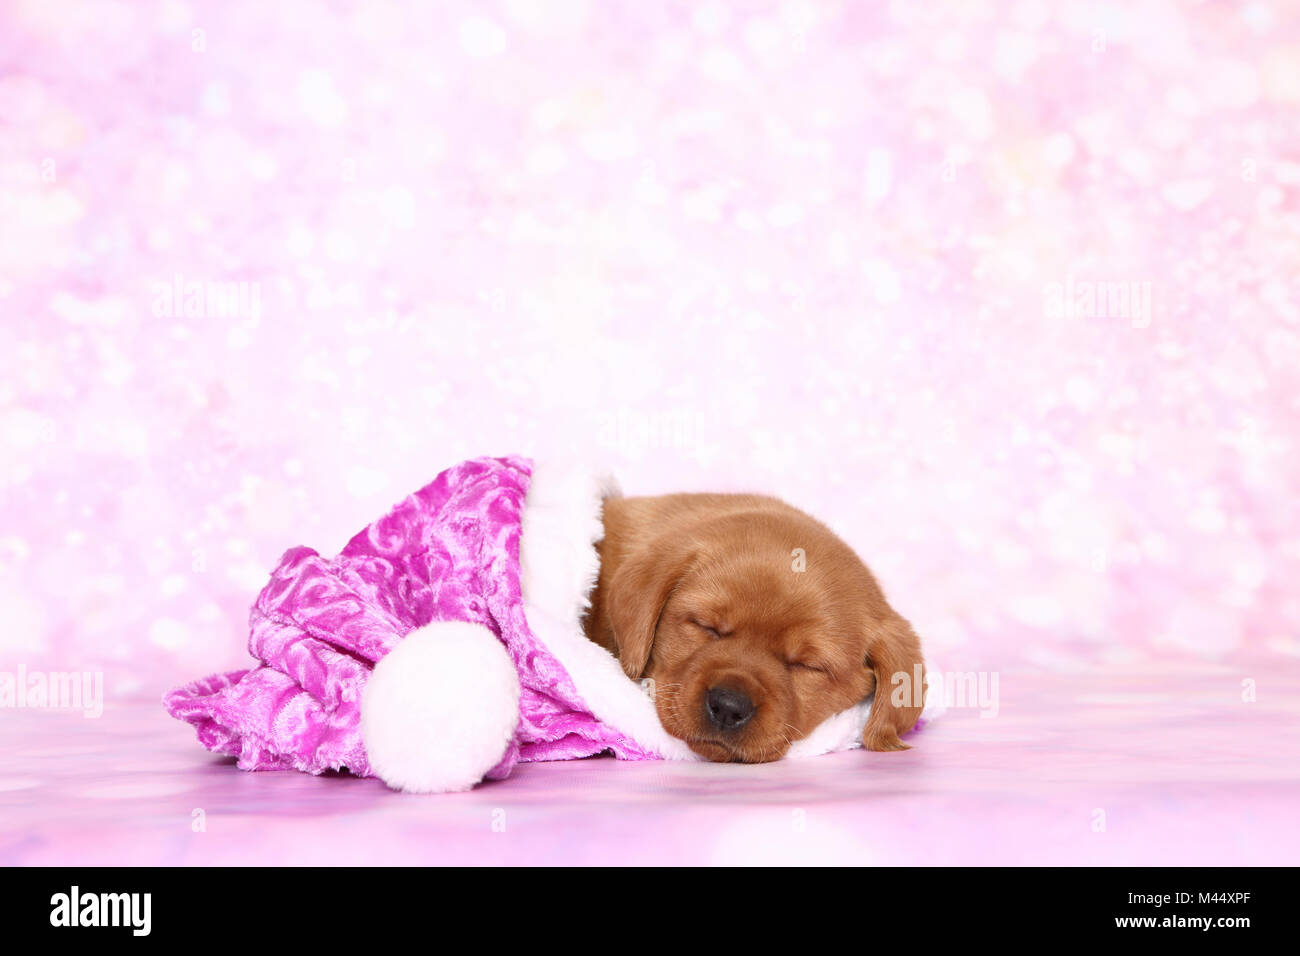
[440, 708]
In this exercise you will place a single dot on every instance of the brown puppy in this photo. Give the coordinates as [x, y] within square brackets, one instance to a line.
[754, 620]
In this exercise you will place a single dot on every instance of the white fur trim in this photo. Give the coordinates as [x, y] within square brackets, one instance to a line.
[843, 731]
[559, 567]
[426, 728]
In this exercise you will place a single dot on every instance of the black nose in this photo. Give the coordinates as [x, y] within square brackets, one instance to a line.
[728, 709]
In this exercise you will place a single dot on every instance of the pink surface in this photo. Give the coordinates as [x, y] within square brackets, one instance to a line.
[1169, 768]
[841, 252]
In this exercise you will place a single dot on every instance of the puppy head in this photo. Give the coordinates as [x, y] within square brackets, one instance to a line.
[750, 649]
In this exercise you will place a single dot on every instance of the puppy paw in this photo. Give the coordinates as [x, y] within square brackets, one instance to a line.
[883, 740]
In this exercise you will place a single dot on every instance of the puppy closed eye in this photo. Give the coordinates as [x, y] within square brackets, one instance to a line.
[713, 632]
[807, 667]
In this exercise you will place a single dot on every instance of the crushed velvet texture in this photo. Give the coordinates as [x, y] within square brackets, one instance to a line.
[448, 552]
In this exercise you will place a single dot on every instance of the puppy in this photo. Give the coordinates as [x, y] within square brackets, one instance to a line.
[754, 620]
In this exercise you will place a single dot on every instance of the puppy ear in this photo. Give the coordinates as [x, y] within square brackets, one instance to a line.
[637, 594]
[894, 658]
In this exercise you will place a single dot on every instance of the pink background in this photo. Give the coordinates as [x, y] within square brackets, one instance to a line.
[717, 249]
[803, 248]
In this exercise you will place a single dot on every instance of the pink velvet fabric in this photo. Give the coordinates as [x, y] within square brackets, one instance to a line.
[448, 552]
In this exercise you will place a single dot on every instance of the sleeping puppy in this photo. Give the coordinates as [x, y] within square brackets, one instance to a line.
[754, 620]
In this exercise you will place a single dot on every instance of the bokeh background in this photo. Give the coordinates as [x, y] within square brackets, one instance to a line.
[816, 249]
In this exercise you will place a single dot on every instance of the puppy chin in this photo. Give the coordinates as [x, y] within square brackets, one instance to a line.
[718, 753]
[724, 753]
[720, 750]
